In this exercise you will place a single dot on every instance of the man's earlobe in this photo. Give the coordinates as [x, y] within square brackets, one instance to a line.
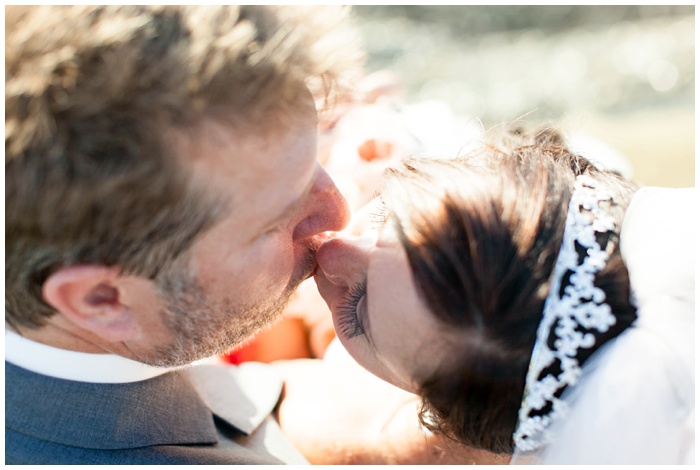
[88, 296]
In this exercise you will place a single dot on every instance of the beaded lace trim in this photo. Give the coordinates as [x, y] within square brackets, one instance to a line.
[581, 305]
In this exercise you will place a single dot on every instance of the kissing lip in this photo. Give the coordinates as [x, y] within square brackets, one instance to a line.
[325, 286]
[311, 262]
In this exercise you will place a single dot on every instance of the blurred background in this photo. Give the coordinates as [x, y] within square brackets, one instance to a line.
[624, 74]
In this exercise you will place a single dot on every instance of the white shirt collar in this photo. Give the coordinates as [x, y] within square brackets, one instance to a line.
[77, 366]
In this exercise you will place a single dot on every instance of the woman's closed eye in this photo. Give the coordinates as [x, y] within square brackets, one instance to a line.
[348, 321]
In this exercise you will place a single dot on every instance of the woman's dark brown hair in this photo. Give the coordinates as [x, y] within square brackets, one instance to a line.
[482, 235]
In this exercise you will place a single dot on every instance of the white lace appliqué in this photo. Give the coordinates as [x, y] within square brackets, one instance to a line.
[581, 305]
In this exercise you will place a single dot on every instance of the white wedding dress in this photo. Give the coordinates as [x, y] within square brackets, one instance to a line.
[635, 402]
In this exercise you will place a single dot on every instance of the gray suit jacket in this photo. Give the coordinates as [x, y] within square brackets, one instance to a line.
[203, 415]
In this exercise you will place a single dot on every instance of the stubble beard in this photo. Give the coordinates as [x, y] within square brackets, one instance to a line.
[200, 328]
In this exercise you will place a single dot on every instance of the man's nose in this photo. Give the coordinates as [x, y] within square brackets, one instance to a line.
[344, 260]
[328, 211]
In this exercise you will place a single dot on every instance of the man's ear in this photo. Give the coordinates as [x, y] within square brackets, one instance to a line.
[89, 297]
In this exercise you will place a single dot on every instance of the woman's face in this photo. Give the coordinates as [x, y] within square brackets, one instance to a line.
[377, 312]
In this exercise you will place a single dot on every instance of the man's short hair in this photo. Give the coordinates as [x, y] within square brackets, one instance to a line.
[91, 96]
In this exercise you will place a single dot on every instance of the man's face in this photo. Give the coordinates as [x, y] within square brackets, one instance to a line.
[240, 273]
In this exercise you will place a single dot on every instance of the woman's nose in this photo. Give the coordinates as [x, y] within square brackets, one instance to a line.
[344, 260]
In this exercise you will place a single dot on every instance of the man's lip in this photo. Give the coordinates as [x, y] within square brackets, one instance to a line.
[316, 243]
[312, 272]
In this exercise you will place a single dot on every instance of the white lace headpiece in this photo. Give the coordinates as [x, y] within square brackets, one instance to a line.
[581, 305]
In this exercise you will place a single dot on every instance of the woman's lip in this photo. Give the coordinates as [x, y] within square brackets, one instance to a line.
[330, 292]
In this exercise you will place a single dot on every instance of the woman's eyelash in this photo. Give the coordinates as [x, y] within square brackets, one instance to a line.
[348, 322]
[378, 214]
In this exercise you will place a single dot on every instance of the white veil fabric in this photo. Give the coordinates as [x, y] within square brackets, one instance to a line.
[635, 402]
